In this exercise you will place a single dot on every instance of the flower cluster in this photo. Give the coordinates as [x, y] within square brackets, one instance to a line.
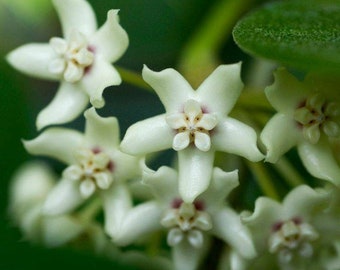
[189, 204]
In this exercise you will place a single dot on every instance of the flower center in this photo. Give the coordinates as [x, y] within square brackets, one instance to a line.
[192, 126]
[318, 114]
[292, 237]
[73, 57]
[93, 170]
[186, 221]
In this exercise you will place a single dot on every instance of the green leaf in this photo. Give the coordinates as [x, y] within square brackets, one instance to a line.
[299, 33]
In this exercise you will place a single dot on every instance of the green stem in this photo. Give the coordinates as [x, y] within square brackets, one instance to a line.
[91, 210]
[292, 177]
[133, 78]
[263, 179]
[199, 56]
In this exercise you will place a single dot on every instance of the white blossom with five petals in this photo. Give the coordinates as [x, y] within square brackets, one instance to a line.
[95, 164]
[190, 226]
[308, 117]
[298, 233]
[81, 60]
[195, 124]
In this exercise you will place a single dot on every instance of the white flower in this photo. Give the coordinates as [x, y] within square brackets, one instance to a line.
[195, 124]
[190, 226]
[81, 60]
[29, 188]
[292, 235]
[94, 162]
[308, 116]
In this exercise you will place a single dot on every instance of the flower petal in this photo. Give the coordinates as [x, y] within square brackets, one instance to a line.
[101, 131]
[181, 141]
[68, 104]
[110, 40]
[59, 143]
[221, 185]
[33, 60]
[267, 212]
[195, 171]
[99, 76]
[172, 89]
[30, 184]
[117, 202]
[60, 230]
[63, 198]
[278, 136]
[163, 183]
[202, 141]
[286, 93]
[232, 136]
[75, 14]
[228, 226]
[87, 188]
[208, 121]
[139, 221]
[220, 91]
[147, 136]
[187, 257]
[319, 161]
[304, 201]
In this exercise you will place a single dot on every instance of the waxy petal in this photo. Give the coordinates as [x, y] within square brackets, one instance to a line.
[172, 89]
[175, 120]
[303, 201]
[69, 102]
[232, 136]
[60, 230]
[138, 222]
[75, 14]
[287, 93]
[195, 172]
[102, 132]
[110, 40]
[202, 141]
[117, 202]
[181, 141]
[150, 135]
[319, 161]
[59, 143]
[208, 121]
[33, 59]
[187, 257]
[87, 188]
[267, 212]
[279, 135]
[63, 198]
[100, 75]
[221, 185]
[220, 91]
[235, 234]
[162, 182]
[30, 184]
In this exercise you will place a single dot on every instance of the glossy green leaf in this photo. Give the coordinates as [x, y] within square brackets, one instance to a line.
[299, 33]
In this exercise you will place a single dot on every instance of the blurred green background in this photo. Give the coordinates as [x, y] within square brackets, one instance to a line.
[158, 31]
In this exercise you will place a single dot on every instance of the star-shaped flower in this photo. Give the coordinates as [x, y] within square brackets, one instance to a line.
[291, 235]
[195, 124]
[94, 162]
[189, 226]
[29, 188]
[308, 116]
[81, 60]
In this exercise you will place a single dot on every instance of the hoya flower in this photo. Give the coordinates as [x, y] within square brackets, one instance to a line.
[189, 226]
[308, 117]
[294, 234]
[95, 165]
[196, 124]
[29, 188]
[81, 60]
